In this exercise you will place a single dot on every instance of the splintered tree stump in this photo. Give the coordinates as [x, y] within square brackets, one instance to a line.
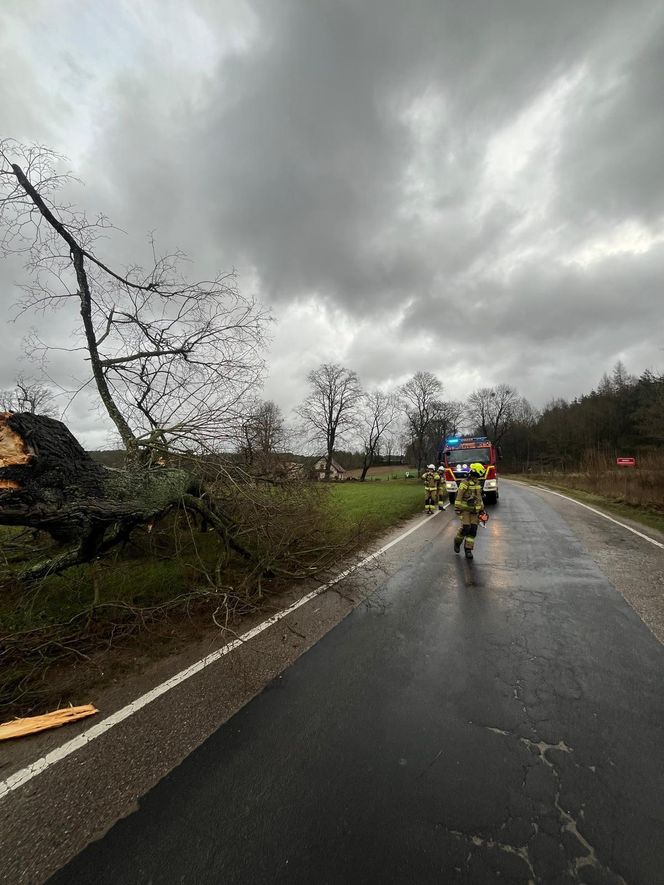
[49, 482]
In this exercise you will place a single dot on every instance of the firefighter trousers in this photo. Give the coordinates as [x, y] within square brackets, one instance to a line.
[430, 499]
[467, 531]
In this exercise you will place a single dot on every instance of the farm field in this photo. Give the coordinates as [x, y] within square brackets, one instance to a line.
[372, 507]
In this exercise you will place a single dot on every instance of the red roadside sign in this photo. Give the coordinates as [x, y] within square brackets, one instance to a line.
[626, 462]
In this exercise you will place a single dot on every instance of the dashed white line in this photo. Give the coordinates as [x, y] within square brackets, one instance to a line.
[20, 778]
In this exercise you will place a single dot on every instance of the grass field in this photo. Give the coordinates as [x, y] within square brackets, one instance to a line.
[375, 506]
[158, 593]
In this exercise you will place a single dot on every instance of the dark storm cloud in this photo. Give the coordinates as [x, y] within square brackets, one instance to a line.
[419, 169]
[299, 149]
[307, 140]
[611, 162]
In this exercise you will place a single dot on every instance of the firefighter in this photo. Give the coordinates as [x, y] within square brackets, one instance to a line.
[469, 505]
[442, 488]
[430, 478]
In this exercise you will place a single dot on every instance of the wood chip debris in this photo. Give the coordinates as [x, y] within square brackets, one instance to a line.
[33, 724]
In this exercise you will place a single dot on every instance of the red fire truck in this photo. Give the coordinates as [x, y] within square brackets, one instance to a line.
[458, 453]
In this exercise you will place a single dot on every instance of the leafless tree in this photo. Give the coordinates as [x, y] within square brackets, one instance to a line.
[419, 398]
[445, 421]
[173, 361]
[378, 414]
[390, 443]
[28, 395]
[330, 410]
[494, 410]
[263, 434]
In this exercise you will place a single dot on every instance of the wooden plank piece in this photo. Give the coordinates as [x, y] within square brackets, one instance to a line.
[33, 724]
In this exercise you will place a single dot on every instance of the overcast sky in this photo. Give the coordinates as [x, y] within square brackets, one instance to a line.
[471, 188]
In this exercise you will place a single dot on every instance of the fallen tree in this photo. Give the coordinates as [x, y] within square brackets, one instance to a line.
[175, 363]
[48, 482]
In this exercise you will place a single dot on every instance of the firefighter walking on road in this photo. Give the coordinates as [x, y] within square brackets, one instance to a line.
[430, 478]
[469, 505]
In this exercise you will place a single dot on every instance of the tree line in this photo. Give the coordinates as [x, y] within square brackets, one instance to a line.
[339, 419]
[623, 415]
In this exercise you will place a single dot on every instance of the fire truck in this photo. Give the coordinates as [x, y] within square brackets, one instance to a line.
[458, 453]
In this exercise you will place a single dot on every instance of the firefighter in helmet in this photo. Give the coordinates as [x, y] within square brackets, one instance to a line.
[469, 505]
[430, 478]
[442, 488]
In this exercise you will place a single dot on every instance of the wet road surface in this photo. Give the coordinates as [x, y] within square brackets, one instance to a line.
[500, 721]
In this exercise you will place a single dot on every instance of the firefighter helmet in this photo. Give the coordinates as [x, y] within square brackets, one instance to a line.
[477, 469]
[431, 467]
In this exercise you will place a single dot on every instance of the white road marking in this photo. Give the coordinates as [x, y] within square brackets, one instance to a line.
[20, 778]
[599, 513]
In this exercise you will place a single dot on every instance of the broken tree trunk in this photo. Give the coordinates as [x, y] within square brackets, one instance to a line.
[49, 482]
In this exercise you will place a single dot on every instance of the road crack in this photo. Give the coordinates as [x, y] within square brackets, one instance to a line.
[521, 851]
[568, 823]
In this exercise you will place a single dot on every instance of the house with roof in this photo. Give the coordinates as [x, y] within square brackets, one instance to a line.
[337, 472]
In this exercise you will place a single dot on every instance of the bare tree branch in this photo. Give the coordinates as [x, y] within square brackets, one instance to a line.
[494, 410]
[331, 408]
[174, 362]
[28, 396]
[379, 414]
[419, 397]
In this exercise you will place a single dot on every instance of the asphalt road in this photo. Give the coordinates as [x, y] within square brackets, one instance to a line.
[500, 721]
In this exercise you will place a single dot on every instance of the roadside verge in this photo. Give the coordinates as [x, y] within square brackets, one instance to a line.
[631, 558]
[629, 513]
[99, 780]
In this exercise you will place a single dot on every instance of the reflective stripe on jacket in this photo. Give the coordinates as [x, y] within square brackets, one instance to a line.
[469, 496]
[431, 479]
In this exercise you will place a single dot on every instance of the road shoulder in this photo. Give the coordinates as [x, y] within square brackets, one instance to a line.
[633, 566]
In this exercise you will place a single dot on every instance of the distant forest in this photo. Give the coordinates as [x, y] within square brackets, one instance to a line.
[623, 416]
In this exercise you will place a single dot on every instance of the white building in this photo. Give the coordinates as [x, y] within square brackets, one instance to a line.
[336, 470]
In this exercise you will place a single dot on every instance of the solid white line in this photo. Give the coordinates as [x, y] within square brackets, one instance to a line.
[20, 778]
[599, 513]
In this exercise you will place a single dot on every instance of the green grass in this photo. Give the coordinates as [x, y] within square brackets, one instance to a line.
[154, 569]
[373, 507]
[650, 518]
[144, 575]
[66, 626]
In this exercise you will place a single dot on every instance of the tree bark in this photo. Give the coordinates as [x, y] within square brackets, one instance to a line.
[78, 255]
[48, 482]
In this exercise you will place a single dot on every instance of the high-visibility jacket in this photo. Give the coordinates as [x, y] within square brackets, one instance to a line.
[431, 480]
[468, 501]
